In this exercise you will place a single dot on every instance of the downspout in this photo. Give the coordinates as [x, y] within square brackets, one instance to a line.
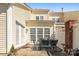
[6, 31]
[9, 4]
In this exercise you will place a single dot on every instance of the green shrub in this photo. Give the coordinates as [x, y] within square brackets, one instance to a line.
[12, 51]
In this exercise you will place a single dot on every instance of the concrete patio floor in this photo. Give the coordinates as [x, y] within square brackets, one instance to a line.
[28, 51]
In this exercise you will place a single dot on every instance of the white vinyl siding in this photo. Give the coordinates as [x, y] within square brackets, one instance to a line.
[3, 33]
[3, 20]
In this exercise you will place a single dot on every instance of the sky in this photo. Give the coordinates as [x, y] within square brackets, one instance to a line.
[56, 7]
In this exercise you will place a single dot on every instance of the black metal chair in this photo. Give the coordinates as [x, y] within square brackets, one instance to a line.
[53, 43]
[47, 44]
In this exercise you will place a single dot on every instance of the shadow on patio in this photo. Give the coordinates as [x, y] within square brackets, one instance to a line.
[43, 48]
[46, 48]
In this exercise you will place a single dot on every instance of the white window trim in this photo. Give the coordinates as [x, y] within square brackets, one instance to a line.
[40, 18]
[20, 26]
[55, 17]
[43, 31]
[36, 34]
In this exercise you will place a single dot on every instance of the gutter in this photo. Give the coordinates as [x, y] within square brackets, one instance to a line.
[24, 4]
[27, 6]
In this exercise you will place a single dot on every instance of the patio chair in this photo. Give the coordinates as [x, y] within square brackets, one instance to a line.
[53, 43]
[44, 44]
[76, 53]
[48, 44]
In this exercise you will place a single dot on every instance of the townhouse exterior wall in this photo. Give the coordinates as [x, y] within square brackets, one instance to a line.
[20, 15]
[11, 14]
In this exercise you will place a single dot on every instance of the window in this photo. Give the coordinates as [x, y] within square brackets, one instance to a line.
[32, 31]
[38, 33]
[59, 20]
[19, 33]
[37, 17]
[33, 37]
[22, 34]
[53, 19]
[46, 36]
[56, 19]
[41, 17]
[39, 30]
[46, 32]
[39, 37]
[33, 34]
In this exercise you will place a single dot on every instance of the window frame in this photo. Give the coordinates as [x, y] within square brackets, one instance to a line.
[31, 34]
[37, 17]
[19, 33]
[40, 18]
[34, 30]
[39, 34]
